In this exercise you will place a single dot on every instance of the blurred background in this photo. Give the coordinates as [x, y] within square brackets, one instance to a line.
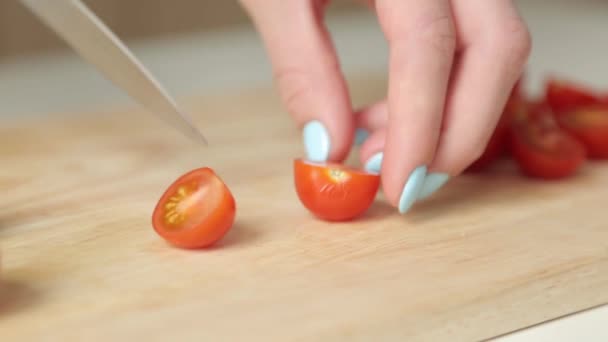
[201, 46]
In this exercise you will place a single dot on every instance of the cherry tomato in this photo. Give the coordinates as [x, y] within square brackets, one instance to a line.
[195, 211]
[334, 192]
[540, 148]
[590, 126]
[563, 96]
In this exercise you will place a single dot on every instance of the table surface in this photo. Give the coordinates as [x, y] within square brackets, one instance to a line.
[488, 255]
[46, 216]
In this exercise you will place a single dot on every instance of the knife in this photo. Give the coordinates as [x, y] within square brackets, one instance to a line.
[75, 23]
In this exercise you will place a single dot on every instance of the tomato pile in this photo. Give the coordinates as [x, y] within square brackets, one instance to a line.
[551, 137]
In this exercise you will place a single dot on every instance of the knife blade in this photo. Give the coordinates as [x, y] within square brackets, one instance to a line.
[81, 29]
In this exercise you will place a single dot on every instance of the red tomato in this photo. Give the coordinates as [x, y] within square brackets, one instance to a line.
[540, 148]
[195, 211]
[334, 192]
[590, 126]
[562, 96]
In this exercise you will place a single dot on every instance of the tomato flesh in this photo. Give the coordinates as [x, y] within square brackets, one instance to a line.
[195, 211]
[590, 126]
[540, 148]
[334, 192]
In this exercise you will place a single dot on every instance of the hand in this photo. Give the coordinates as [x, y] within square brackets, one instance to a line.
[452, 65]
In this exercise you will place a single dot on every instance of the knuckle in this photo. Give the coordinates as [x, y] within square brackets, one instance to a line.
[513, 42]
[436, 31]
[432, 28]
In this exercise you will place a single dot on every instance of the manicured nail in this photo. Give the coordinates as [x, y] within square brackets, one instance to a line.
[432, 183]
[374, 164]
[412, 188]
[360, 135]
[316, 141]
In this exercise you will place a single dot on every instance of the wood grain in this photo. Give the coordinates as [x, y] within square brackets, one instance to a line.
[489, 254]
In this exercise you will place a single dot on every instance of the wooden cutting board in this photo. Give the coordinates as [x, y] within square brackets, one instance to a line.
[487, 255]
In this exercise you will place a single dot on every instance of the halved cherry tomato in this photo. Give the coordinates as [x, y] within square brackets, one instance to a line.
[334, 192]
[195, 211]
[590, 126]
[540, 148]
[564, 96]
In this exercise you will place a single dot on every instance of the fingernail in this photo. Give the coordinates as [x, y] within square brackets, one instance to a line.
[432, 183]
[360, 135]
[374, 164]
[412, 188]
[316, 141]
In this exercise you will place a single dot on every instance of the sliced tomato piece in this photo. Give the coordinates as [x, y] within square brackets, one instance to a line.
[564, 96]
[334, 192]
[196, 211]
[540, 148]
[590, 126]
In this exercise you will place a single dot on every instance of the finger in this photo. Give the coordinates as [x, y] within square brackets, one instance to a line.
[371, 151]
[496, 45]
[422, 41]
[370, 119]
[307, 72]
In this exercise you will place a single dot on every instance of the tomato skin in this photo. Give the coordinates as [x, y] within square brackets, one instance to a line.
[590, 126]
[540, 148]
[334, 192]
[217, 205]
[564, 96]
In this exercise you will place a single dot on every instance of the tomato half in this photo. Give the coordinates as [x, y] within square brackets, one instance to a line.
[540, 148]
[334, 192]
[195, 211]
[564, 96]
[590, 126]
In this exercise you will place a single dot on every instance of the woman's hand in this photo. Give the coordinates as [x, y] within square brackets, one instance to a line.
[452, 66]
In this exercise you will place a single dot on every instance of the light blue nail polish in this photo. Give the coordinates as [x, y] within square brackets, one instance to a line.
[360, 136]
[374, 164]
[316, 141]
[432, 183]
[412, 188]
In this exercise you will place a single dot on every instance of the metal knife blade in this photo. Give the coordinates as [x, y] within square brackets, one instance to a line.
[75, 23]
